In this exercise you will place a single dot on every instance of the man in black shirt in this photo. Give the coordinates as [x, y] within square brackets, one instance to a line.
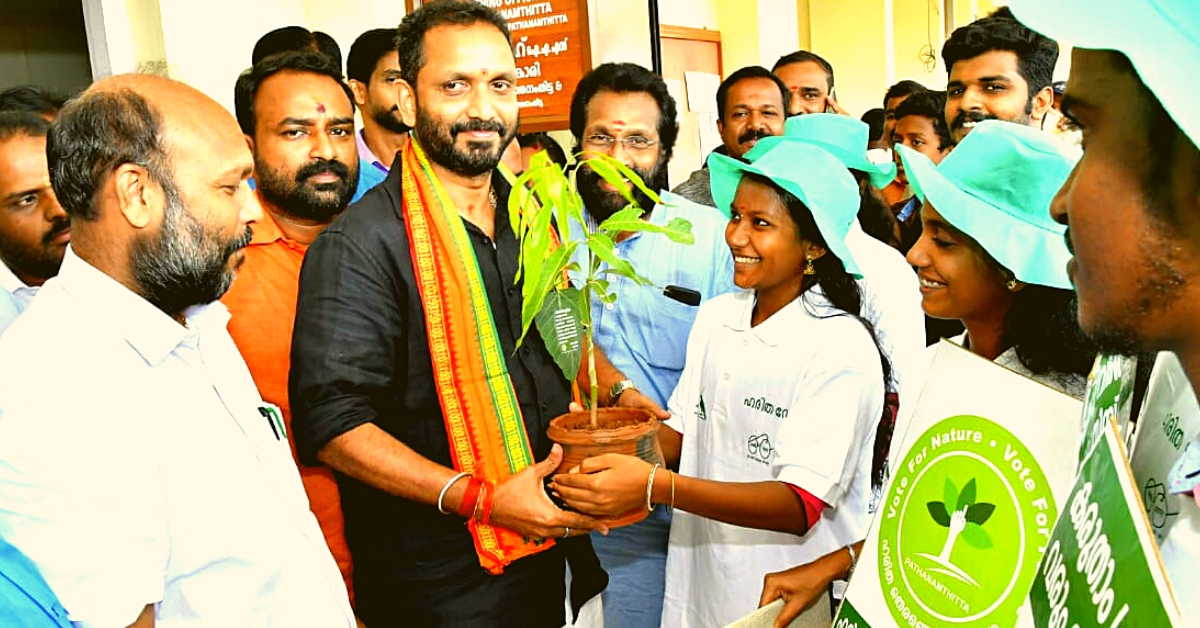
[362, 386]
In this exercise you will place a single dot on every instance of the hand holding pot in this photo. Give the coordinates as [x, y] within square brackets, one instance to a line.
[521, 505]
[605, 486]
[634, 398]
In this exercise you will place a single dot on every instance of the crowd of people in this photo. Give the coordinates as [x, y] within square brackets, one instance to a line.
[274, 332]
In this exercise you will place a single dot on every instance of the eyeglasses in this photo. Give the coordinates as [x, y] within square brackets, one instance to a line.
[634, 143]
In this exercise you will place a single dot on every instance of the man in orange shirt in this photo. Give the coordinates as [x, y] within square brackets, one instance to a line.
[298, 119]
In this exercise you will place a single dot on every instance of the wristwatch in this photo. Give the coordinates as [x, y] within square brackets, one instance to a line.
[619, 389]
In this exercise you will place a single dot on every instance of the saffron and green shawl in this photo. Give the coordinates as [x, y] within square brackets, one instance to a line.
[483, 419]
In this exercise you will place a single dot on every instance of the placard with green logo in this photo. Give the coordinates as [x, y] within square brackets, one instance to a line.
[1102, 566]
[974, 492]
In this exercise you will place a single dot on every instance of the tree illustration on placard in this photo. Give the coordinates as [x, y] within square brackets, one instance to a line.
[963, 516]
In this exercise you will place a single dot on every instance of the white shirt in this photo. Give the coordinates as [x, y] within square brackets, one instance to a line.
[135, 468]
[795, 399]
[16, 296]
[891, 302]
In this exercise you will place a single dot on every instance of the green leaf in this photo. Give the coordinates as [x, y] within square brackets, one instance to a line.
[967, 497]
[980, 513]
[623, 172]
[950, 496]
[560, 323]
[606, 168]
[604, 248]
[937, 510]
[629, 219]
[535, 295]
[976, 536]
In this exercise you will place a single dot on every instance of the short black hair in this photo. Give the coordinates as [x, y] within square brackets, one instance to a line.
[1036, 53]
[292, 38]
[873, 118]
[366, 51]
[626, 78]
[431, 15]
[93, 136]
[903, 88]
[804, 56]
[31, 99]
[22, 123]
[248, 83]
[750, 72]
[932, 105]
[543, 141]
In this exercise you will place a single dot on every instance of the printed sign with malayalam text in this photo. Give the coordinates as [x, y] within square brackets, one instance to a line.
[1169, 420]
[1109, 397]
[974, 494]
[1102, 568]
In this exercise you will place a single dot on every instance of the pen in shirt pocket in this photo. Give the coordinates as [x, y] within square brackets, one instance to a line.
[274, 419]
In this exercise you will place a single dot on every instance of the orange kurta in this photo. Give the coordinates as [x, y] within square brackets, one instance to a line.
[262, 302]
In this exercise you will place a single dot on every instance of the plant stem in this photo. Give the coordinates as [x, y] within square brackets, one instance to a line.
[591, 350]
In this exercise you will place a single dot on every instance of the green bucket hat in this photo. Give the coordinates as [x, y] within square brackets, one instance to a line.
[841, 136]
[1161, 38]
[807, 172]
[996, 186]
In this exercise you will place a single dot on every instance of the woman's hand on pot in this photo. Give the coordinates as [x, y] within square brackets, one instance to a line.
[605, 486]
[634, 398]
[521, 505]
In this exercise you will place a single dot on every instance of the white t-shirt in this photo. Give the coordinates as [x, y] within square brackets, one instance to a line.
[795, 399]
[136, 468]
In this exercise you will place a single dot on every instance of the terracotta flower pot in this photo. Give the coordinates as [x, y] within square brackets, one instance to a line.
[621, 431]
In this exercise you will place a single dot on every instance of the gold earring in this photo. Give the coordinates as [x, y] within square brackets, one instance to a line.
[1012, 285]
[808, 267]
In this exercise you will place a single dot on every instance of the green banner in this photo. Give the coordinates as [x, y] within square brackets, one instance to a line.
[1101, 567]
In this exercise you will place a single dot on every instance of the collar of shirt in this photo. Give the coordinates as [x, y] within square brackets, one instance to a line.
[151, 333]
[781, 327]
[11, 282]
[365, 154]
[267, 231]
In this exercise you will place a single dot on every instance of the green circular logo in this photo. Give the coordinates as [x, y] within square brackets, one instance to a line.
[963, 525]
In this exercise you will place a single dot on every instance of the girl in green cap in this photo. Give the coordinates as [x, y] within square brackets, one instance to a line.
[773, 421]
[991, 257]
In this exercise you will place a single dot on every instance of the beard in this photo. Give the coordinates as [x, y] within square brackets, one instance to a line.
[390, 120]
[296, 196]
[441, 142]
[41, 260]
[184, 264]
[601, 203]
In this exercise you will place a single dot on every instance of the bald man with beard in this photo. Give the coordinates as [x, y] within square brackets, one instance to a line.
[143, 475]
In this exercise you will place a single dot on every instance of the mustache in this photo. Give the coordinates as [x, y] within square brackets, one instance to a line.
[239, 243]
[478, 125]
[322, 166]
[61, 225]
[753, 134]
[969, 116]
